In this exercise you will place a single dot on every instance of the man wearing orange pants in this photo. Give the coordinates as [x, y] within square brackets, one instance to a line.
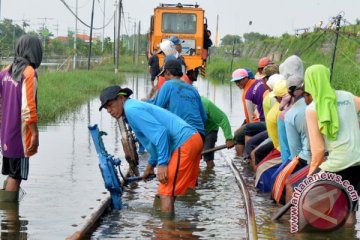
[174, 146]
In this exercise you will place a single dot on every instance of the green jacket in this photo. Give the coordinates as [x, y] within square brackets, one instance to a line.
[216, 119]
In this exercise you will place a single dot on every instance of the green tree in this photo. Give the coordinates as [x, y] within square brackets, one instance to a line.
[9, 33]
[253, 36]
[230, 40]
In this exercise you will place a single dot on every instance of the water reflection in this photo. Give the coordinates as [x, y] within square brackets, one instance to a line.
[176, 229]
[12, 225]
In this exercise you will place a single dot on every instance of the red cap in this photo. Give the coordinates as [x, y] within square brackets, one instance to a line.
[264, 62]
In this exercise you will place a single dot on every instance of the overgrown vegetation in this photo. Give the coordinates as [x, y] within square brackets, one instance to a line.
[313, 48]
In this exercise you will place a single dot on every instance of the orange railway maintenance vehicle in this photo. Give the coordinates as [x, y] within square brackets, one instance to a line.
[188, 23]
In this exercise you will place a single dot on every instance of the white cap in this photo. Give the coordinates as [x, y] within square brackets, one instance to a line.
[273, 79]
[168, 47]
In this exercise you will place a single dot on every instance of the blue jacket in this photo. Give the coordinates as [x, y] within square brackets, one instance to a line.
[183, 100]
[157, 129]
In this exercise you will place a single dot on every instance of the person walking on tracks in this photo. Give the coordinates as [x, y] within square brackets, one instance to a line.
[19, 132]
[181, 98]
[154, 67]
[174, 146]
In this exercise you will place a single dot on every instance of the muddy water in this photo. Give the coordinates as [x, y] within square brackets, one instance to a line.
[65, 184]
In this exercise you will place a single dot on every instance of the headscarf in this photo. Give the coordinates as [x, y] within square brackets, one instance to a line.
[28, 51]
[293, 65]
[317, 83]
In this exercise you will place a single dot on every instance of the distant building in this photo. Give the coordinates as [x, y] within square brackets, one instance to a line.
[83, 37]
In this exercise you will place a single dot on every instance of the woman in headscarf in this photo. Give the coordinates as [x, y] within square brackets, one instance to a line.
[332, 121]
[19, 133]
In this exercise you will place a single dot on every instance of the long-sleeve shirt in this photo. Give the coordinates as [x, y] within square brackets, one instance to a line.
[296, 131]
[271, 125]
[252, 98]
[216, 118]
[183, 100]
[19, 109]
[157, 129]
[344, 152]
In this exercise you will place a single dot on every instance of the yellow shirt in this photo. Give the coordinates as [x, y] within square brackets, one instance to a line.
[271, 124]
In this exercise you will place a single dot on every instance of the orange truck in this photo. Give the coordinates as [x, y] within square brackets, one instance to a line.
[188, 23]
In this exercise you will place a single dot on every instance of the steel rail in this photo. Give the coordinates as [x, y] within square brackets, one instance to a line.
[91, 219]
[250, 215]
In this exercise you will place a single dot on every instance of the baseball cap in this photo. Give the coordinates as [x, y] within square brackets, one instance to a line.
[111, 93]
[169, 64]
[176, 40]
[264, 61]
[271, 69]
[250, 73]
[239, 74]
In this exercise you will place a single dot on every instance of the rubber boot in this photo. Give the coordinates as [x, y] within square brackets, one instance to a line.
[9, 196]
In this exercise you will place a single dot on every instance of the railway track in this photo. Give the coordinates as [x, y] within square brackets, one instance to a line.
[250, 215]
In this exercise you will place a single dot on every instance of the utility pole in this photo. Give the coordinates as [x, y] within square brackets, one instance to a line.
[217, 31]
[232, 56]
[115, 50]
[56, 29]
[91, 30]
[138, 43]
[75, 36]
[338, 20]
[134, 38]
[118, 38]
[103, 30]
[43, 28]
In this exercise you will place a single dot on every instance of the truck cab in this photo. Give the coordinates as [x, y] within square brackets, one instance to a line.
[188, 23]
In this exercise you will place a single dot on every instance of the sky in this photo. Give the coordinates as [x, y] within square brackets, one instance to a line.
[268, 17]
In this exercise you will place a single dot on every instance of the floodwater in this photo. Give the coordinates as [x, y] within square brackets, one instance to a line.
[65, 185]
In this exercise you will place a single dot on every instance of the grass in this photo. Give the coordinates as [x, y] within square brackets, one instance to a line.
[60, 93]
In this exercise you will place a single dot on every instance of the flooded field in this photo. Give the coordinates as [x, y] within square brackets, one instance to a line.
[65, 184]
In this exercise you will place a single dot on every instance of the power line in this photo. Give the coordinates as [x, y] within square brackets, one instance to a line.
[311, 44]
[96, 28]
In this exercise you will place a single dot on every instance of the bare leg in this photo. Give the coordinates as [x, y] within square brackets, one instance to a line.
[210, 164]
[239, 150]
[167, 203]
[12, 184]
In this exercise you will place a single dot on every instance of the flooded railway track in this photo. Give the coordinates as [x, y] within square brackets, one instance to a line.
[246, 220]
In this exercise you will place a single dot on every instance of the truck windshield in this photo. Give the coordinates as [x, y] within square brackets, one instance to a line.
[178, 23]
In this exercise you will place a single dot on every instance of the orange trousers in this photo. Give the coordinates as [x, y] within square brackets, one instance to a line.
[183, 167]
